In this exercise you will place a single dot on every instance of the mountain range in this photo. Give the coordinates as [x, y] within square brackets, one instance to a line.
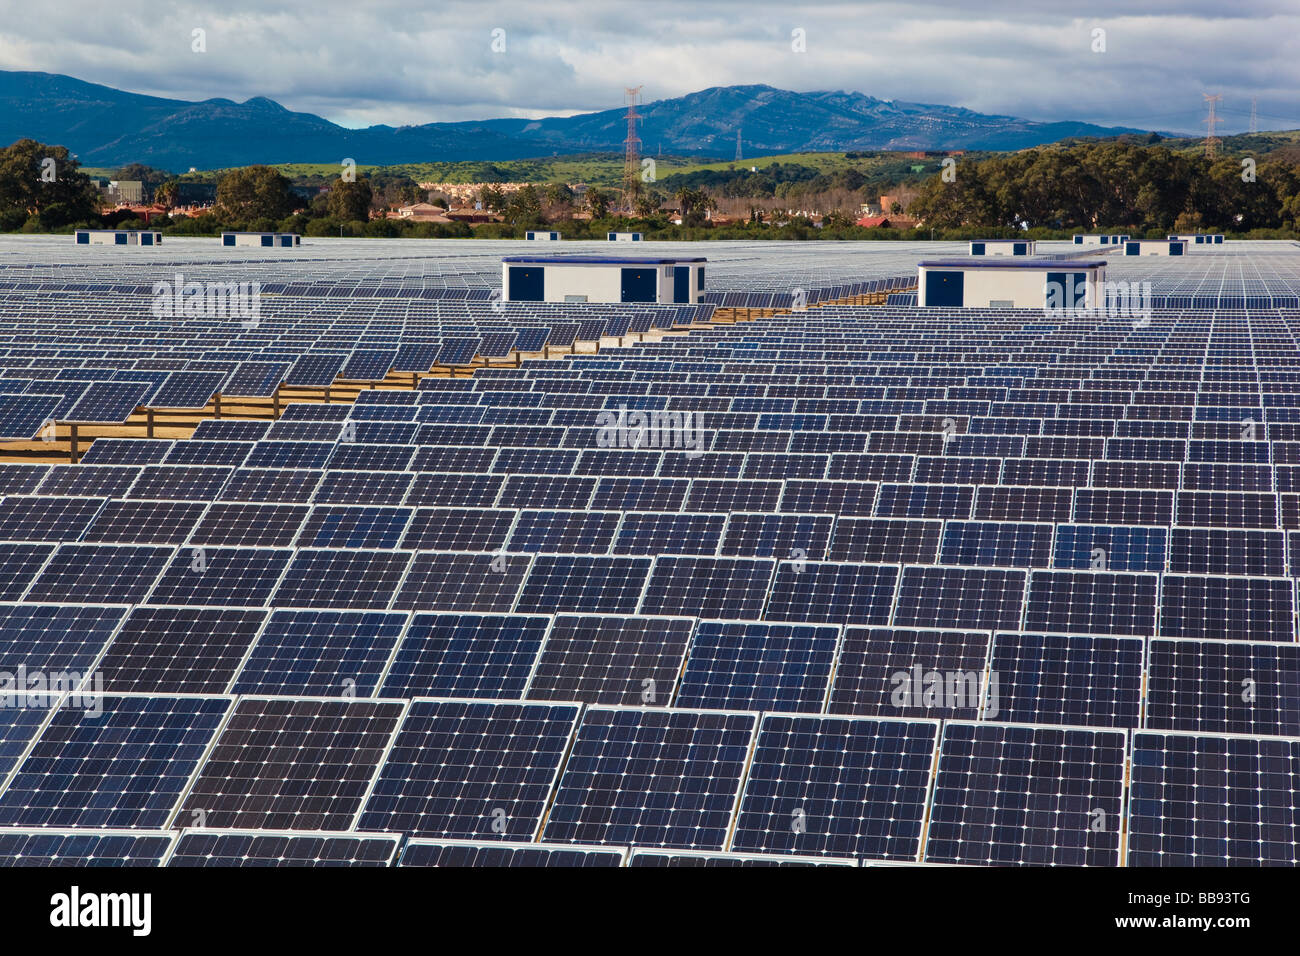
[108, 127]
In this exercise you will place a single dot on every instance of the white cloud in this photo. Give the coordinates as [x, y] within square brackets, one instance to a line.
[385, 62]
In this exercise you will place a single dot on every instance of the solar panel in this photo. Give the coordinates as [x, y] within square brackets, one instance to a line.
[602, 660]
[1060, 679]
[470, 769]
[178, 650]
[607, 794]
[465, 655]
[228, 577]
[905, 672]
[735, 665]
[1012, 794]
[208, 848]
[339, 578]
[188, 389]
[611, 585]
[100, 573]
[112, 761]
[291, 764]
[82, 848]
[732, 588]
[1203, 799]
[440, 581]
[1239, 687]
[321, 653]
[829, 593]
[838, 786]
[965, 598]
[315, 368]
[468, 854]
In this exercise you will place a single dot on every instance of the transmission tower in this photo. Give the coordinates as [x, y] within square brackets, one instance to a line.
[1254, 114]
[737, 144]
[631, 149]
[1211, 141]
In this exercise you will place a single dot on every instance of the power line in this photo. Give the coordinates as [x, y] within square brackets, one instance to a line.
[1211, 141]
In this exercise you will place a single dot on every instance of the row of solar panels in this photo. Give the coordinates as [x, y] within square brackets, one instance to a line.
[1160, 683]
[1001, 542]
[560, 774]
[792, 591]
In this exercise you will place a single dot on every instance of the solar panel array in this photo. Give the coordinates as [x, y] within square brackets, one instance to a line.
[856, 585]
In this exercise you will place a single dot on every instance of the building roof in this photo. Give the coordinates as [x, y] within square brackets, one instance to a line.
[605, 260]
[1056, 265]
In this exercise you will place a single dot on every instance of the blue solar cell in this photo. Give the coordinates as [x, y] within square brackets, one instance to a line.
[470, 769]
[1213, 800]
[320, 653]
[623, 781]
[1010, 794]
[733, 665]
[838, 786]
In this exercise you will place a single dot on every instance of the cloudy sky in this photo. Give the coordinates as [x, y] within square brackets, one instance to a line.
[381, 61]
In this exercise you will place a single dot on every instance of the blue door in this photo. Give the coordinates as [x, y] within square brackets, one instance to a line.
[1072, 286]
[146, 239]
[640, 285]
[1020, 249]
[681, 283]
[268, 240]
[119, 239]
[1132, 249]
[527, 284]
[83, 238]
[944, 288]
[1175, 248]
[227, 240]
[977, 248]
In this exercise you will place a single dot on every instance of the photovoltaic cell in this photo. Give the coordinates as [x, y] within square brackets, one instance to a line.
[651, 778]
[292, 764]
[470, 769]
[611, 660]
[1021, 795]
[838, 786]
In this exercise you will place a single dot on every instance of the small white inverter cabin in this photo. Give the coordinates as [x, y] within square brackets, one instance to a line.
[1002, 247]
[266, 240]
[542, 236]
[1200, 238]
[117, 237]
[603, 279]
[623, 236]
[1010, 283]
[1155, 247]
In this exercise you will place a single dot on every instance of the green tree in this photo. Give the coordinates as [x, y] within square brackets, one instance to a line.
[597, 203]
[254, 192]
[350, 201]
[647, 204]
[43, 183]
[524, 207]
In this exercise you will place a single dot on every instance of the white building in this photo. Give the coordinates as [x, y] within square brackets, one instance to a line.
[623, 236]
[1200, 238]
[1002, 247]
[542, 236]
[117, 237]
[1089, 239]
[263, 239]
[1010, 283]
[602, 279]
[1155, 247]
